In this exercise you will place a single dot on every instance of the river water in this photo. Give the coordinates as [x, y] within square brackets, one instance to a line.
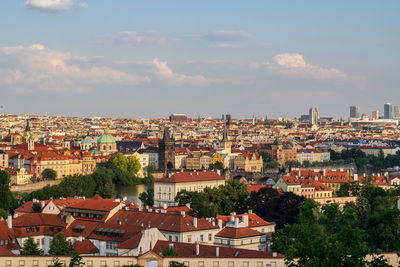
[132, 192]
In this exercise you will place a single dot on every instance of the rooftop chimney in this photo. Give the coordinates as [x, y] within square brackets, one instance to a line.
[245, 219]
[274, 254]
[43, 204]
[165, 206]
[9, 221]
[197, 248]
[195, 222]
[219, 223]
[183, 213]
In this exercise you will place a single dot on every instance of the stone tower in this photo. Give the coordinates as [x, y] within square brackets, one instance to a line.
[226, 145]
[166, 152]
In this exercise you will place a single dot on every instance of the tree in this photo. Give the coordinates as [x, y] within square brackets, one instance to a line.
[147, 198]
[270, 205]
[30, 248]
[176, 264]
[324, 237]
[104, 183]
[60, 246]
[3, 213]
[36, 208]
[169, 251]
[5, 192]
[216, 166]
[76, 260]
[292, 163]
[149, 179]
[56, 263]
[49, 174]
[133, 165]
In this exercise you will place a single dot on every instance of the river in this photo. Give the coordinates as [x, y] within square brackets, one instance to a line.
[132, 192]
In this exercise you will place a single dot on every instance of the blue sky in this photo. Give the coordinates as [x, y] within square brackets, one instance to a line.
[149, 58]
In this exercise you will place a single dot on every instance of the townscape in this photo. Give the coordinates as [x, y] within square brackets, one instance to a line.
[61, 177]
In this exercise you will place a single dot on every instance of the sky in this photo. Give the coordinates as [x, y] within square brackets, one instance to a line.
[148, 58]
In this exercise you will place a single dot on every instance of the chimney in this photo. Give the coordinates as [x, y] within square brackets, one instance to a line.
[197, 248]
[195, 222]
[250, 211]
[43, 204]
[274, 254]
[183, 213]
[324, 172]
[236, 222]
[188, 205]
[9, 221]
[355, 177]
[217, 252]
[245, 220]
[364, 174]
[219, 223]
[232, 218]
[165, 206]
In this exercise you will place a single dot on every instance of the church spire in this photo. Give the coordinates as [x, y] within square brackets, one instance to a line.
[225, 134]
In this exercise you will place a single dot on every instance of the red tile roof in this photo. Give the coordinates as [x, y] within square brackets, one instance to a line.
[182, 177]
[85, 247]
[173, 222]
[235, 233]
[186, 250]
[254, 219]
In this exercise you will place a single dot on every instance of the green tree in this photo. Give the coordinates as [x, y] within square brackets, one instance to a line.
[292, 163]
[216, 166]
[176, 264]
[56, 263]
[324, 237]
[5, 193]
[133, 165]
[147, 198]
[3, 213]
[30, 248]
[104, 183]
[49, 174]
[60, 246]
[36, 207]
[76, 260]
[169, 251]
[149, 179]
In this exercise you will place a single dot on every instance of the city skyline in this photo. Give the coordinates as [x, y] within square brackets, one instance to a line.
[112, 59]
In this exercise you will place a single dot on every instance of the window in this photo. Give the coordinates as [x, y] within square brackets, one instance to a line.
[215, 263]
[231, 264]
[201, 238]
[209, 237]
[259, 264]
[245, 264]
[189, 239]
[176, 239]
[170, 238]
[201, 263]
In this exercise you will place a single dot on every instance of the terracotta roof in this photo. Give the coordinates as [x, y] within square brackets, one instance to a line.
[235, 233]
[95, 203]
[182, 177]
[254, 219]
[186, 250]
[4, 251]
[173, 222]
[85, 247]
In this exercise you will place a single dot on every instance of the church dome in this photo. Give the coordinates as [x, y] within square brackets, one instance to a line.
[86, 140]
[106, 139]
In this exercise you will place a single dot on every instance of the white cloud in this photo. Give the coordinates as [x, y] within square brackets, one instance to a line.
[162, 70]
[228, 36]
[139, 39]
[38, 68]
[293, 64]
[54, 5]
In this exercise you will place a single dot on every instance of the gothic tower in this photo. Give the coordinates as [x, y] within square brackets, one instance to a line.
[166, 152]
[226, 145]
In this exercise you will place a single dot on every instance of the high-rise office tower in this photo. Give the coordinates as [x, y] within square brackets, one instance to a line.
[313, 113]
[354, 111]
[375, 114]
[388, 111]
[396, 112]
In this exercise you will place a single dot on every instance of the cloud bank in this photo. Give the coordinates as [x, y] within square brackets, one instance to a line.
[36, 68]
[163, 71]
[54, 5]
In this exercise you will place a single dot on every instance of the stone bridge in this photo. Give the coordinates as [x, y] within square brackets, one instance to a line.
[255, 177]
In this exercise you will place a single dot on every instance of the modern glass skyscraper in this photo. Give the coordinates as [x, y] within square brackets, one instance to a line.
[354, 111]
[388, 109]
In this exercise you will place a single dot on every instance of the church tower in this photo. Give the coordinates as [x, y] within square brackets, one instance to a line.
[166, 152]
[27, 132]
[31, 144]
[66, 142]
[225, 143]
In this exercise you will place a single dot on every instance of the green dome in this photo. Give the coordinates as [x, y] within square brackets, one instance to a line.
[86, 140]
[106, 139]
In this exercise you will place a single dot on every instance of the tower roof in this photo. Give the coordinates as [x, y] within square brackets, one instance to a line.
[106, 139]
